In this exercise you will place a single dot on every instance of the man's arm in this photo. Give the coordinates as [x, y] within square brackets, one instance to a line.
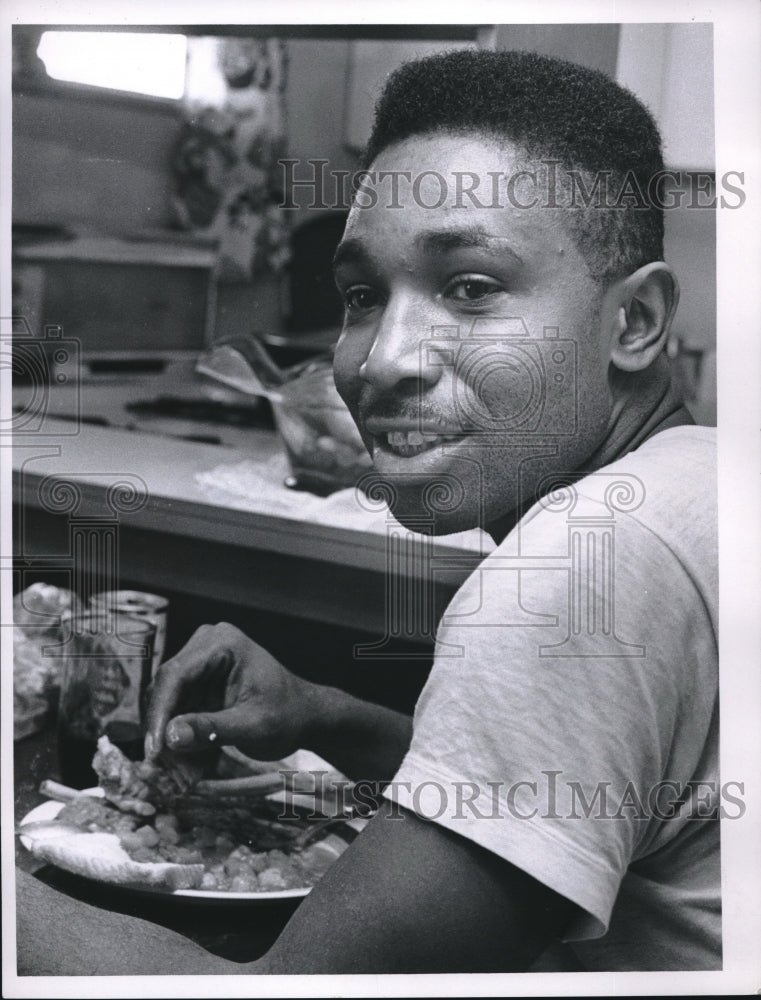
[407, 896]
[410, 896]
[363, 740]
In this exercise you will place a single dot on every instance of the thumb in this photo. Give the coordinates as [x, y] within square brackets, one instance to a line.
[203, 730]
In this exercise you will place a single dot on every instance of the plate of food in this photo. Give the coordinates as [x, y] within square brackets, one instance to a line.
[146, 829]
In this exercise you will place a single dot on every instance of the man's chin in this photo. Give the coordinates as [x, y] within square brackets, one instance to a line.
[436, 501]
[432, 518]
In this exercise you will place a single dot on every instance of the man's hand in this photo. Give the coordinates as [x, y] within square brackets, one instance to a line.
[223, 689]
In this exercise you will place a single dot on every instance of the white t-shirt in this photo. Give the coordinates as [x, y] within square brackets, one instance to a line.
[573, 707]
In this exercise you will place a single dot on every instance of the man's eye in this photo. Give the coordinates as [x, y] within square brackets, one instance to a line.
[474, 289]
[360, 298]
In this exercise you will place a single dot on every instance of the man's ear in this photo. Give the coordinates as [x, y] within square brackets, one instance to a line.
[642, 308]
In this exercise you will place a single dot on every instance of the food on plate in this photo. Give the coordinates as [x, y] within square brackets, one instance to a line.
[101, 856]
[86, 812]
[141, 787]
[149, 829]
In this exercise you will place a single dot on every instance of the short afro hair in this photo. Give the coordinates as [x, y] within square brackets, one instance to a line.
[552, 110]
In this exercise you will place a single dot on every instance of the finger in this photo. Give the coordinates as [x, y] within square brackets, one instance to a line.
[205, 650]
[192, 733]
[163, 699]
[197, 731]
[235, 763]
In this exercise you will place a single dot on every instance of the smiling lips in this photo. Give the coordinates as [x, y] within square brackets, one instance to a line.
[407, 444]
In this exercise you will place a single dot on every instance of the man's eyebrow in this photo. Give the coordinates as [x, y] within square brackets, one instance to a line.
[464, 238]
[349, 250]
[435, 241]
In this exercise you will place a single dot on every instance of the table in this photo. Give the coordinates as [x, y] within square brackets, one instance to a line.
[239, 931]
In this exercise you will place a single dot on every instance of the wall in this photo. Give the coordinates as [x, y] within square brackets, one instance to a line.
[316, 107]
[103, 163]
[92, 161]
[670, 68]
[592, 45]
[315, 98]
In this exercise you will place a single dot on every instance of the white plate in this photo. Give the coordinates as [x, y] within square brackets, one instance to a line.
[47, 811]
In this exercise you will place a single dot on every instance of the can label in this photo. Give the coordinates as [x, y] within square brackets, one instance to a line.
[101, 688]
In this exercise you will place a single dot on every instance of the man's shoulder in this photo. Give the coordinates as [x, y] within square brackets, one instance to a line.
[667, 484]
[652, 512]
[654, 508]
[663, 473]
[689, 448]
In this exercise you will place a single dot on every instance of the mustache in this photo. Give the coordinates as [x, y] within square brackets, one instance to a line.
[410, 406]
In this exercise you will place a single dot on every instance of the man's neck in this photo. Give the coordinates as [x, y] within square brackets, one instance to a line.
[644, 404]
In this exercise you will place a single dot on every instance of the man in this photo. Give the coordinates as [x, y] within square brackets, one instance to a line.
[503, 357]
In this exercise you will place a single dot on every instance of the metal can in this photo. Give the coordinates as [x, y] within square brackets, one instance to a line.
[151, 607]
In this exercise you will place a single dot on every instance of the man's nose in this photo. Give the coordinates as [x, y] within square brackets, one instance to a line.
[401, 348]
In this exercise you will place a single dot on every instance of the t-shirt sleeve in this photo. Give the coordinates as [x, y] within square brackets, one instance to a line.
[572, 691]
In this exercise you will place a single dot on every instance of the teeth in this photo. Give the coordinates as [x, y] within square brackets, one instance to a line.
[399, 439]
[408, 443]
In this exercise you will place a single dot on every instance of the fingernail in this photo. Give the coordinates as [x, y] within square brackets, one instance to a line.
[149, 746]
[180, 734]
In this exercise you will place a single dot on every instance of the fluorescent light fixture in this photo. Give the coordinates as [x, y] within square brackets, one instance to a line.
[140, 62]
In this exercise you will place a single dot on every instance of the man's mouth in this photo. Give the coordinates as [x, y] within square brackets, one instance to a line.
[407, 444]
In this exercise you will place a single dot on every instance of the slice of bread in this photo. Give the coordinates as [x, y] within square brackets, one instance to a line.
[100, 856]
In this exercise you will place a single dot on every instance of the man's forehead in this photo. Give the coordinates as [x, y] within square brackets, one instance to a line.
[441, 175]
[469, 148]
[520, 239]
